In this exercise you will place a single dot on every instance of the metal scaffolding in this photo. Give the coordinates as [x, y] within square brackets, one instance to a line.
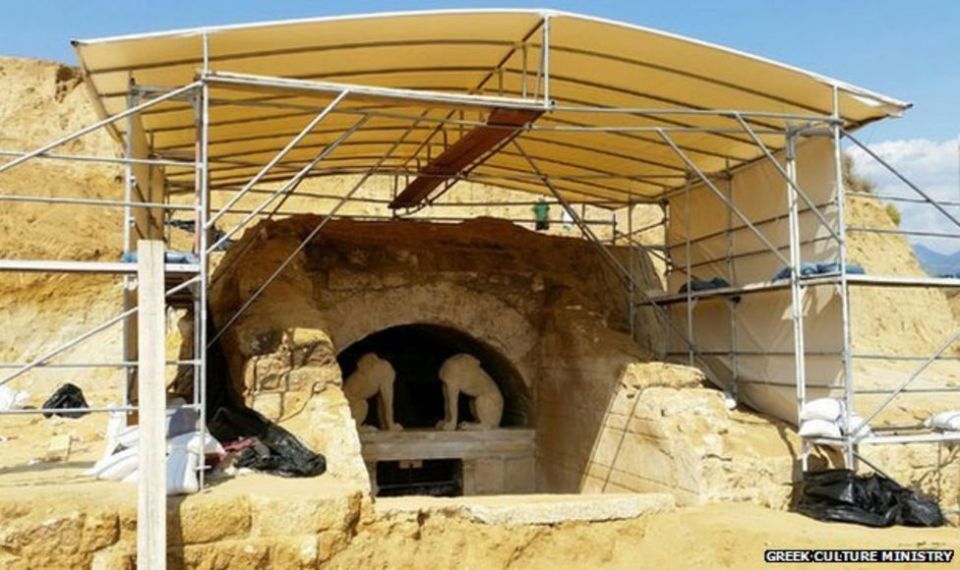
[147, 214]
[277, 176]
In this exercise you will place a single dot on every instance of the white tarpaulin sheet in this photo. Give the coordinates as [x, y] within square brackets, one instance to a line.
[758, 343]
[590, 62]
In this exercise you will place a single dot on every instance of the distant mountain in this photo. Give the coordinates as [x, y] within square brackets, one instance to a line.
[936, 263]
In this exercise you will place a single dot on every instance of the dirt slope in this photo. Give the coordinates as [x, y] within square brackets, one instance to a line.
[900, 321]
[41, 102]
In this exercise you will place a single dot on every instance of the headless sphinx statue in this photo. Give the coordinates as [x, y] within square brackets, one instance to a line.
[462, 373]
[373, 376]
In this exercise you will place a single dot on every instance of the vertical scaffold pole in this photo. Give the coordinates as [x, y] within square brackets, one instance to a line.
[796, 291]
[732, 276]
[613, 227]
[849, 450]
[151, 398]
[128, 340]
[686, 255]
[128, 171]
[631, 265]
[203, 235]
[668, 269]
[523, 75]
[197, 224]
[546, 61]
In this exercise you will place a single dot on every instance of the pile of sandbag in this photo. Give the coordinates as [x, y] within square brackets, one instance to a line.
[826, 417]
[186, 452]
[945, 421]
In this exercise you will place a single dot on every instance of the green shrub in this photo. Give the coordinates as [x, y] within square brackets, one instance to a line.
[852, 181]
[894, 214]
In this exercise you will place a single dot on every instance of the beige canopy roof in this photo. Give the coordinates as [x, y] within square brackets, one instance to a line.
[592, 65]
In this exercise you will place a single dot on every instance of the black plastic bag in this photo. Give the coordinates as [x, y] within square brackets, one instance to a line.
[871, 500]
[701, 285]
[715, 283]
[286, 455]
[230, 420]
[66, 397]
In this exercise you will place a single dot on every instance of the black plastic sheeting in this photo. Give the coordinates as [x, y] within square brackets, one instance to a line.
[873, 500]
[284, 455]
[230, 420]
[66, 397]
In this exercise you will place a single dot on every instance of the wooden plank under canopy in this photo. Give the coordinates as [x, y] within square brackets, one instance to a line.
[463, 153]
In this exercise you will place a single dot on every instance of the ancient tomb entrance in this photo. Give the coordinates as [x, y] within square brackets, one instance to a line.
[422, 458]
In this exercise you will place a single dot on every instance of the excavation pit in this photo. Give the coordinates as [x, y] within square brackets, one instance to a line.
[541, 314]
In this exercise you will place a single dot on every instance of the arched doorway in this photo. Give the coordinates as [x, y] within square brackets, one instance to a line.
[416, 352]
[422, 460]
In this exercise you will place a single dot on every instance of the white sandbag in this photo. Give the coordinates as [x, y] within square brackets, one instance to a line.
[857, 426]
[116, 466]
[828, 409]
[819, 428]
[185, 422]
[11, 399]
[729, 401]
[191, 442]
[114, 426]
[182, 472]
[945, 421]
[128, 436]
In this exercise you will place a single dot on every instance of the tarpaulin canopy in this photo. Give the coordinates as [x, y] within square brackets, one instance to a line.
[590, 67]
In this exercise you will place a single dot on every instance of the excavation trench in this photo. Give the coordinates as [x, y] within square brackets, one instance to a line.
[541, 314]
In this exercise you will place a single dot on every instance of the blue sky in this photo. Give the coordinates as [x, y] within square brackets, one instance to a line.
[909, 50]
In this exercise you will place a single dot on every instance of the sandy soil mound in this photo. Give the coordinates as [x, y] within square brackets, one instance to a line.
[43, 101]
[906, 322]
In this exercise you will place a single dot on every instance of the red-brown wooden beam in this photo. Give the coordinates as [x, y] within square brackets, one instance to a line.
[461, 154]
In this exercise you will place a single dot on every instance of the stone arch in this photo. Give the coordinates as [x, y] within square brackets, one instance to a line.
[484, 317]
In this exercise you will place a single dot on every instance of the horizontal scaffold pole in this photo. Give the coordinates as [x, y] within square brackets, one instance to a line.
[625, 276]
[306, 241]
[104, 159]
[286, 189]
[90, 333]
[787, 178]
[902, 178]
[827, 119]
[92, 202]
[99, 124]
[709, 184]
[279, 156]
[428, 98]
